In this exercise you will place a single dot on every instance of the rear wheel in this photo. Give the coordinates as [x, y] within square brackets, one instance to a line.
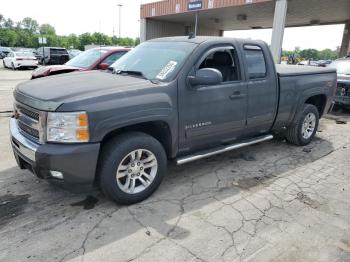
[3, 62]
[304, 128]
[132, 167]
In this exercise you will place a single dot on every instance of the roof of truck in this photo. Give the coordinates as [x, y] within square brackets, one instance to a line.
[289, 70]
[201, 39]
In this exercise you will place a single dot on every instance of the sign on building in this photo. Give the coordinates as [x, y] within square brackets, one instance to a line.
[195, 5]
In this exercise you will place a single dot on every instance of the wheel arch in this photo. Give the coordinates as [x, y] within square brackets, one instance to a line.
[159, 129]
[319, 101]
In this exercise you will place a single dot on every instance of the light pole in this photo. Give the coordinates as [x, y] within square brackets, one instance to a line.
[120, 14]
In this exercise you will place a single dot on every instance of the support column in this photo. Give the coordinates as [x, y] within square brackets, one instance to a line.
[279, 21]
[143, 30]
[346, 40]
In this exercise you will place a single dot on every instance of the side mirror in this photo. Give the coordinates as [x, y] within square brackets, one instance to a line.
[206, 76]
[103, 66]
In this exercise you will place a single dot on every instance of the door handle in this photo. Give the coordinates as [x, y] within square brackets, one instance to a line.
[237, 95]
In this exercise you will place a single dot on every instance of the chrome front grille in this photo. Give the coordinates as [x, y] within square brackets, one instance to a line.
[27, 112]
[30, 122]
[28, 130]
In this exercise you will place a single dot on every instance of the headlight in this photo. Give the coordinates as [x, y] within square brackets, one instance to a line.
[67, 127]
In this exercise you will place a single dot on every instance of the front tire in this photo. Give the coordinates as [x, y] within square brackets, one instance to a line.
[131, 167]
[304, 128]
[13, 66]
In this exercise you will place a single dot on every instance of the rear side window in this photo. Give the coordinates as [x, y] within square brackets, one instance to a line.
[255, 62]
[54, 51]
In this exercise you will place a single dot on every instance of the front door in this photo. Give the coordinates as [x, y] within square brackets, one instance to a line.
[213, 114]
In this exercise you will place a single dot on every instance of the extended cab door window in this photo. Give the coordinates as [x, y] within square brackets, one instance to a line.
[262, 89]
[256, 65]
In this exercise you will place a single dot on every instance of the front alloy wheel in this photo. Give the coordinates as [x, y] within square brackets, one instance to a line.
[131, 167]
[136, 171]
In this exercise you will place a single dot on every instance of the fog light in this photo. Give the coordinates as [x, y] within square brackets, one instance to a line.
[56, 174]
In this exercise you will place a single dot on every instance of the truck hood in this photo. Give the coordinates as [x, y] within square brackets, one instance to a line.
[49, 93]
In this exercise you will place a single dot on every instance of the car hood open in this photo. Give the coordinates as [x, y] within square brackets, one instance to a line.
[50, 92]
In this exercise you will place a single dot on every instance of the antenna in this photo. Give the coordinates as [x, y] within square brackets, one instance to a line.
[196, 25]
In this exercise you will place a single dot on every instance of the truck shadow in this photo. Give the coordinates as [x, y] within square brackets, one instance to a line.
[44, 211]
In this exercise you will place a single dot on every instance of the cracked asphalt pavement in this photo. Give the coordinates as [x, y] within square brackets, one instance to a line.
[268, 202]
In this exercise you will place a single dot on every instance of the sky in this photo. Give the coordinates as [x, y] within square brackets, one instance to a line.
[80, 16]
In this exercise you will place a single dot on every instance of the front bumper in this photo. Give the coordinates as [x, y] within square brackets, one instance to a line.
[77, 162]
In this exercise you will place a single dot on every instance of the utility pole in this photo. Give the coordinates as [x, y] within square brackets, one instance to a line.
[120, 15]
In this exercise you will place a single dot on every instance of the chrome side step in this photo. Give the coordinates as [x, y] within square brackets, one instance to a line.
[222, 149]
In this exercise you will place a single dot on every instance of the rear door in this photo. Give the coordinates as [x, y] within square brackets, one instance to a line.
[261, 87]
[213, 114]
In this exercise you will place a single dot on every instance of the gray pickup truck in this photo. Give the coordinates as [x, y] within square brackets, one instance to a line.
[178, 99]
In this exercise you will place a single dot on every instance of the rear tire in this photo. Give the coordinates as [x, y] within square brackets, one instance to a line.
[131, 167]
[305, 125]
[4, 64]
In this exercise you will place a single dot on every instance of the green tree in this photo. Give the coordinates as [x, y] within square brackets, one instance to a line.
[327, 54]
[86, 39]
[25, 33]
[8, 37]
[2, 19]
[102, 39]
[8, 23]
[47, 29]
[309, 54]
[30, 24]
[73, 41]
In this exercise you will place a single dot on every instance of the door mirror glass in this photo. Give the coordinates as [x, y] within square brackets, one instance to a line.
[206, 76]
[103, 66]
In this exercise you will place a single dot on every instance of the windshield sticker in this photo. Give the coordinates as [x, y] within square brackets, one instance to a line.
[166, 70]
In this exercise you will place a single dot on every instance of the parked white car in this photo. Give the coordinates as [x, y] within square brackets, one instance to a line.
[20, 59]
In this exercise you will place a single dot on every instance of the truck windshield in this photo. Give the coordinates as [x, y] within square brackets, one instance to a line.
[155, 60]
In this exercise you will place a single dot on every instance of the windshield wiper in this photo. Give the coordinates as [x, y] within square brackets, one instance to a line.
[130, 72]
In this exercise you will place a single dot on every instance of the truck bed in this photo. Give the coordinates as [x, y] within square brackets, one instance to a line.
[293, 70]
[298, 82]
